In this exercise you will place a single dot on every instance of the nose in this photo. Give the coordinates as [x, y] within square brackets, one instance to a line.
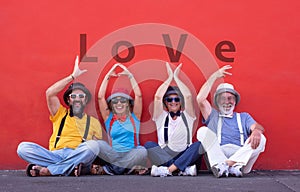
[77, 98]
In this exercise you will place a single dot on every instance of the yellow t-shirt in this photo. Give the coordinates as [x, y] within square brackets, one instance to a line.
[73, 130]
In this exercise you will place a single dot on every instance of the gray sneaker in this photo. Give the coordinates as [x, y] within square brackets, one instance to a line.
[189, 171]
[236, 170]
[161, 171]
[107, 171]
[220, 170]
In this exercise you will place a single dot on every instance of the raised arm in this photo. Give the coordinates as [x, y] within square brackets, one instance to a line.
[204, 105]
[158, 103]
[189, 107]
[138, 103]
[103, 107]
[51, 93]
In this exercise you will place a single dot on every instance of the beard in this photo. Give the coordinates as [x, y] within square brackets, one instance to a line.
[77, 109]
[226, 109]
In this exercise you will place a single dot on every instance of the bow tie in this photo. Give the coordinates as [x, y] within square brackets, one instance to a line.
[227, 116]
[120, 118]
[175, 114]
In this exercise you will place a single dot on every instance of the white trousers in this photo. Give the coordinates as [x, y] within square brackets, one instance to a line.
[244, 155]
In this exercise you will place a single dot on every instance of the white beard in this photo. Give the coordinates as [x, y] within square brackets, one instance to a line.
[226, 109]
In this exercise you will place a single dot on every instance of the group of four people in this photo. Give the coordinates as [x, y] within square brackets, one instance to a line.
[230, 141]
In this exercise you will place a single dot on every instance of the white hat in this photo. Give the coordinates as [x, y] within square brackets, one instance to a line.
[226, 87]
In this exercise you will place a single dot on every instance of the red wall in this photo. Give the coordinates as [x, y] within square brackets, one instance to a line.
[39, 41]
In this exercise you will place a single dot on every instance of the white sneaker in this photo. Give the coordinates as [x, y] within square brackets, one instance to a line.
[189, 171]
[159, 171]
[220, 170]
[236, 170]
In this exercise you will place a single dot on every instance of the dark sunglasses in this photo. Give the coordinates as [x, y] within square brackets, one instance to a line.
[80, 95]
[116, 100]
[171, 99]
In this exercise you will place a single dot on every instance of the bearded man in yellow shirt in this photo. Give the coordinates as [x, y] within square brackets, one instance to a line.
[72, 145]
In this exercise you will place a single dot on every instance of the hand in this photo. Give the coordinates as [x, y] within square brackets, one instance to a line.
[254, 138]
[111, 72]
[176, 72]
[222, 71]
[125, 71]
[169, 70]
[76, 71]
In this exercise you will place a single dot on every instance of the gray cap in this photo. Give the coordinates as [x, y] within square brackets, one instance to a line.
[120, 92]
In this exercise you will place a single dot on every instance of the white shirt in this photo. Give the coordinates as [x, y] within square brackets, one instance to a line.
[177, 134]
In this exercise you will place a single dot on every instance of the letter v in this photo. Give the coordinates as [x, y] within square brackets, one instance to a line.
[174, 57]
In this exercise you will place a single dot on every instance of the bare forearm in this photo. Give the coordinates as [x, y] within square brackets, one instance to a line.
[162, 89]
[189, 107]
[206, 88]
[59, 86]
[135, 86]
[103, 87]
[183, 88]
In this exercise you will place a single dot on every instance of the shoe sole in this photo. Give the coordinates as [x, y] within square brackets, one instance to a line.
[77, 170]
[152, 172]
[29, 168]
[216, 172]
[239, 175]
[234, 175]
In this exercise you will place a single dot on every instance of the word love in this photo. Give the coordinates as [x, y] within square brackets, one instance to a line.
[174, 56]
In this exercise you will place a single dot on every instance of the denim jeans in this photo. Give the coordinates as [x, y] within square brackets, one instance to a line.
[62, 161]
[166, 157]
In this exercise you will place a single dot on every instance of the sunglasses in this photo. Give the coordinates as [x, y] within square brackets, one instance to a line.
[79, 95]
[171, 99]
[228, 99]
[116, 100]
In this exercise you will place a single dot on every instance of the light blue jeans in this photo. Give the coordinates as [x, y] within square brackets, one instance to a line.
[62, 161]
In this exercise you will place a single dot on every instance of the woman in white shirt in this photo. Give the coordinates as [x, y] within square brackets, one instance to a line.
[174, 116]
